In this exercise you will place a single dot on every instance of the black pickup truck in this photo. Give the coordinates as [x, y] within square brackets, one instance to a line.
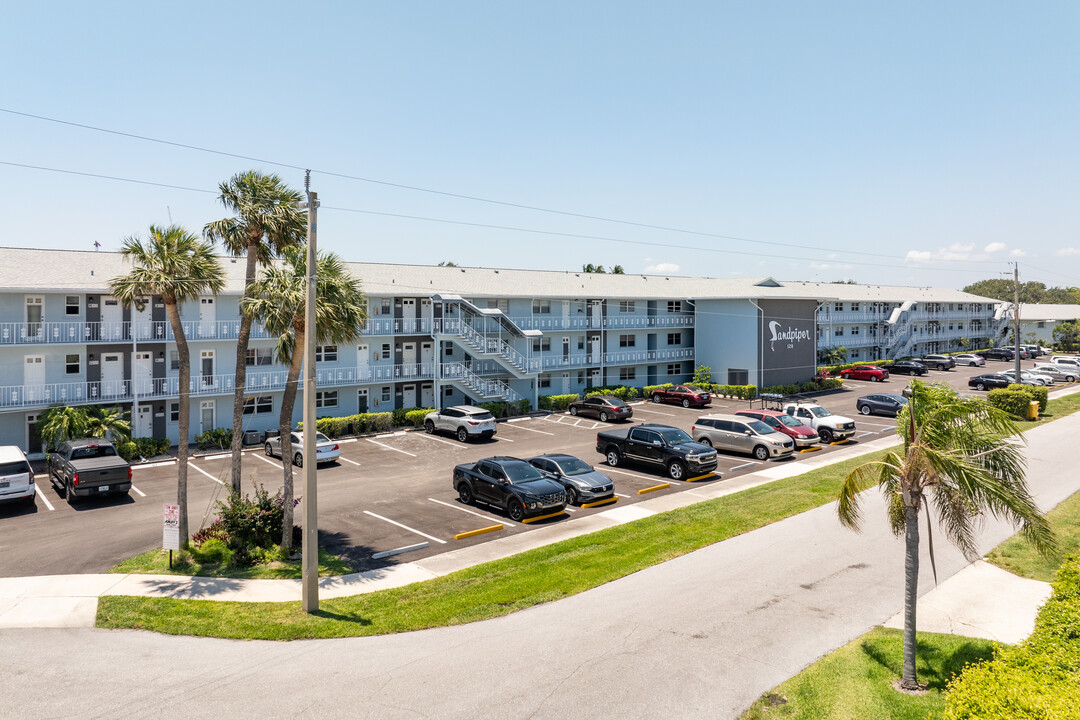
[510, 484]
[82, 468]
[669, 447]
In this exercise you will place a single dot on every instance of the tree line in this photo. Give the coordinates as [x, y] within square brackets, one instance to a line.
[1030, 292]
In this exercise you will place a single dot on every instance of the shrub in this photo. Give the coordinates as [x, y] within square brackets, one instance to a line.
[702, 376]
[501, 408]
[648, 390]
[335, 427]
[623, 392]
[252, 522]
[1039, 393]
[400, 417]
[781, 389]
[127, 450]
[150, 447]
[216, 438]
[212, 550]
[1014, 402]
[416, 417]
[556, 403]
[215, 531]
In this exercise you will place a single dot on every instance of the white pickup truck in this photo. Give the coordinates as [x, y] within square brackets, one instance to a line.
[829, 427]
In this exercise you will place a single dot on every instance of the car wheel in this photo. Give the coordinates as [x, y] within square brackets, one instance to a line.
[429, 427]
[980, 386]
[462, 434]
[761, 453]
[573, 410]
[845, 376]
[268, 450]
[973, 364]
[875, 378]
[603, 417]
[69, 494]
[705, 441]
[1069, 378]
[685, 403]
[826, 435]
[613, 457]
[465, 494]
[865, 409]
[571, 496]
[656, 399]
[298, 460]
[676, 470]
[515, 510]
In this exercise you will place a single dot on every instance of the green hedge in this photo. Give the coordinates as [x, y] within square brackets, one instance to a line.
[833, 369]
[400, 417]
[416, 416]
[335, 427]
[742, 392]
[648, 390]
[1039, 393]
[215, 439]
[1037, 679]
[556, 403]
[1011, 400]
[501, 409]
[623, 392]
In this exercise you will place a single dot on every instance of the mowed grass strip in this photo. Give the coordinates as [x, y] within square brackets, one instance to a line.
[156, 562]
[495, 588]
[856, 681]
[1018, 556]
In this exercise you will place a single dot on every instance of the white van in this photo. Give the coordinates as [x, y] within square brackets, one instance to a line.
[16, 476]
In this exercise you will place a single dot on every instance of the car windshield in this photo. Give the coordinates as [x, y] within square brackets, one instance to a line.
[790, 421]
[760, 428]
[819, 411]
[691, 388]
[675, 436]
[320, 438]
[573, 466]
[481, 415]
[93, 451]
[615, 402]
[521, 472]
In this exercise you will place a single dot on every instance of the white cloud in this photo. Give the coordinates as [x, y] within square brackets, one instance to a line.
[961, 247]
[919, 255]
[1066, 252]
[994, 247]
[661, 269]
[1018, 253]
[832, 256]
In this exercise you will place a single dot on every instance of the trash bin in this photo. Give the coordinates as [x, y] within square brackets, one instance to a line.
[252, 437]
[1033, 410]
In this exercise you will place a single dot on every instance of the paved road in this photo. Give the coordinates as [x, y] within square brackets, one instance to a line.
[701, 636]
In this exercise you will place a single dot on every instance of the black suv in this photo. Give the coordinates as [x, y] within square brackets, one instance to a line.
[996, 354]
[510, 484]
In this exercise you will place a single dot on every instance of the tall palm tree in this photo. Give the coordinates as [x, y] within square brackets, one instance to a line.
[268, 218]
[277, 299]
[111, 423]
[959, 459]
[176, 265]
[63, 422]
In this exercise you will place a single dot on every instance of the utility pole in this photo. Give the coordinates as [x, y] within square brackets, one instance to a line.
[1016, 317]
[309, 568]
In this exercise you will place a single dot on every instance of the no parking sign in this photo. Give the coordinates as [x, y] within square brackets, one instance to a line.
[171, 528]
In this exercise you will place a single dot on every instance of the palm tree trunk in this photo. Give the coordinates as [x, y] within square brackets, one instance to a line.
[241, 371]
[288, 402]
[185, 416]
[908, 681]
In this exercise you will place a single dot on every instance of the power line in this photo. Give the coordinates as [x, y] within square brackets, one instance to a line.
[107, 177]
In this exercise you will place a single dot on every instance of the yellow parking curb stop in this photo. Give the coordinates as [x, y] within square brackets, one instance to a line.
[813, 448]
[707, 476]
[654, 487]
[605, 501]
[543, 517]
[845, 441]
[481, 531]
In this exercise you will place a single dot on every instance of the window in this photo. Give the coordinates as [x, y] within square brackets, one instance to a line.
[174, 359]
[544, 381]
[501, 305]
[838, 331]
[627, 373]
[541, 307]
[626, 306]
[174, 412]
[854, 307]
[258, 405]
[326, 353]
[738, 377]
[581, 343]
[71, 305]
[1041, 324]
[854, 354]
[326, 399]
[674, 369]
[541, 344]
[674, 306]
[854, 329]
[260, 356]
[386, 394]
[627, 341]
[448, 349]
[581, 377]
[72, 364]
[384, 307]
[674, 338]
[385, 354]
[448, 392]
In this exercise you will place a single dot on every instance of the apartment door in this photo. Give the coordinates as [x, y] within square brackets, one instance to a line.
[112, 319]
[34, 448]
[595, 313]
[141, 314]
[206, 416]
[408, 396]
[408, 360]
[363, 362]
[594, 349]
[427, 360]
[566, 314]
[566, 349]
[206, 367]
[34, 377]
[144, 421]
[408, 315]
[207, 317]
[362, 400]
[566, 383]
[112, 374]
[35, 310]
[594, 378]
[144, 373]
[427, 395]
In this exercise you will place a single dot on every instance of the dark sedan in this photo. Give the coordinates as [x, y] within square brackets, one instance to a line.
[602, 407]
[583, 483]
[905, 367]
[989, 381]
[996, 354]
[881, 404]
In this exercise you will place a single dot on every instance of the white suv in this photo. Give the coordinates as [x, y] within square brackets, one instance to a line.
[464, 421]
[16, 476]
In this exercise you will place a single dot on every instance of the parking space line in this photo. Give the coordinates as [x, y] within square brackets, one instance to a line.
[268, 460]
[376, 442]
[744, 465]
[623, 472]
[193, 465]
[141, 493]
[621, 495]
[351, 462]
[504, 439]
[654, 412]
[871, 424]
[37, 489]
[405, 527]
[463, 509]
[444, 442]
[867, 434]
[398, 551]
[542, 432]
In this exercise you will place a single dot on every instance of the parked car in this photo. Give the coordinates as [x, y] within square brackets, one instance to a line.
[326, 450]
[89, 466]
[509, 484]
[881, 404]
[1070, 360]
[969, 359]
[657, 445]
[16, 476]
[865, 372]
[802, 434]
[603, 407]
[1033, 350]
[462, 421]
[685, 395]
[582, 482]
[996, 354]
[938, 362]
[989, 381]
[1060, 373]
[743, 435]
[905, 367]
[829, 427]
[1029, 378]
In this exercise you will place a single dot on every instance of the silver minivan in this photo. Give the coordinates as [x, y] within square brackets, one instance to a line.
[16, 476]
[742, 434]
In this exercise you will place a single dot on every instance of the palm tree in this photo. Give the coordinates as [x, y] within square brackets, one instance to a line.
[61, 423]
[108, 423]
[277, 299]
[177, 266]
[958, 458]
[268, 218]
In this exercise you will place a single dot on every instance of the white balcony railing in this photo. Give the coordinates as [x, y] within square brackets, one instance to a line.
[643, 356]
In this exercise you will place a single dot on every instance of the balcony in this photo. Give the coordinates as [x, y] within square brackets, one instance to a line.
[648, 356]
[632, 322]
[22, 333]
[397, 326]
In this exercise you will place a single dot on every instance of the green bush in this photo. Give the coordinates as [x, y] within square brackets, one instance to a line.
[702, 376]
[335, 427]
[1037, 679]
[400, 417]
[781, 389]
[623, 392]
[212, 550]
[151, 447]
[1015, 402]
[214, 439]
[648, 390]
[1039, 393]
[251, 522]
[127, 450]
[556, 403]
[501, 408]
[415, 418]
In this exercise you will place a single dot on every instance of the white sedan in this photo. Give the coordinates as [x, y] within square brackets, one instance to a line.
[969, 359]
[326, 450]
[1029, 377]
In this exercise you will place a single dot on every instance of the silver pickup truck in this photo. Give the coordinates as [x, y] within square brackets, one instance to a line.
[82, 468]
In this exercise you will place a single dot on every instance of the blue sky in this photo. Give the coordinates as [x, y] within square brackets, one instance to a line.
[936, 139]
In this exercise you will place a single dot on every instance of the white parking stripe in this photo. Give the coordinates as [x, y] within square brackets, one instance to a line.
[405, 527]
[444, 442]
[621, 495]
[654, 412]
[196, 467]
[606, 469]
[353, 462]
[542, 432]
[37, 489]
[505, 439]
[867, 434]
[744, 465]
[268, 460]
[471, 512]
[376, 442]
[141, 493]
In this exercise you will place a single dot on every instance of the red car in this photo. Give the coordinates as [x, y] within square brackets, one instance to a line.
[685, 395]
[865, 372]
[793, 427]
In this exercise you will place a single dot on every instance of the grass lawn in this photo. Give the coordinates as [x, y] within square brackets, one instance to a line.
[156, 562]
[856, 681]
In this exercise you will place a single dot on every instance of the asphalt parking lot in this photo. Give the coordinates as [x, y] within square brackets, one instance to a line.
[386, 493]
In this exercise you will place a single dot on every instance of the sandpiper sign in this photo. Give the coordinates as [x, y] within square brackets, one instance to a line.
[788, 341]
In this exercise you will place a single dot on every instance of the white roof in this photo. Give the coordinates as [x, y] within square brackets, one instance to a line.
[1048, 313]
